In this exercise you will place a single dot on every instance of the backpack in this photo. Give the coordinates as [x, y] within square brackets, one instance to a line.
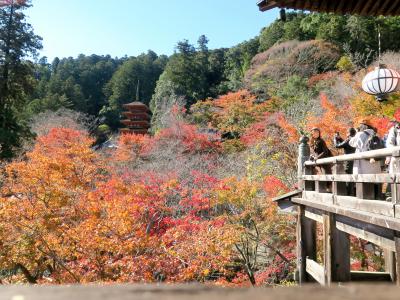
[374, 142]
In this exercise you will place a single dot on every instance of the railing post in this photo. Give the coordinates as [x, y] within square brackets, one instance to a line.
[339, 188]
[304, 155]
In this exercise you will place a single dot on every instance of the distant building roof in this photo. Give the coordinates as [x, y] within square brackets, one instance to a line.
[135, 103]
[356, 7]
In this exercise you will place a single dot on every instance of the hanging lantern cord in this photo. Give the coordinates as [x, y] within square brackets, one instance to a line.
[379, 45]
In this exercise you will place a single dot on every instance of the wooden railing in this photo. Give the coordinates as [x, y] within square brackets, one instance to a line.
[345, 204]
[366, 192]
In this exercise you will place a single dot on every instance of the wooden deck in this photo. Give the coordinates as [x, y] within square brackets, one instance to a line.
[344, 205]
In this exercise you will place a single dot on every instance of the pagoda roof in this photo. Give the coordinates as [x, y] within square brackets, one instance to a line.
[356, 7]
[135, 103]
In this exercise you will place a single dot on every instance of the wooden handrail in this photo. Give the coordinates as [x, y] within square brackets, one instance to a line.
[373, 178]
[394, 151]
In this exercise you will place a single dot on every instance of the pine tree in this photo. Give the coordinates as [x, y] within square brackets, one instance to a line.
[17, 43]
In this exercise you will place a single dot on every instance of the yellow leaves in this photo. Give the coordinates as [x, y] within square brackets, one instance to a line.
[237, 192]
[171, 184]
[365, 105]
[232, 112]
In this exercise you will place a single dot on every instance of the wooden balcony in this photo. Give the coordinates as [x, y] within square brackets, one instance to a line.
[345, 204]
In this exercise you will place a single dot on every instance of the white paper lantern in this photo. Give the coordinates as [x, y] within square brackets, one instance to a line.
[381, 82]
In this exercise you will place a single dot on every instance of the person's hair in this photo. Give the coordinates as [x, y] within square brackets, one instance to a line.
[352, 131]
[364, 127]
[312, 139]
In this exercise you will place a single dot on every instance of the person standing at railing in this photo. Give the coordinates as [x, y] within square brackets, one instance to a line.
[340, 143]
[366, 139]
[319, 150]
[393, 140]
[362, 142]
[344, 144]
[393, 163]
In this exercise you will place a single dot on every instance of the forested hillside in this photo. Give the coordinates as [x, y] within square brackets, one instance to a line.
[98, 85]
[192, 201]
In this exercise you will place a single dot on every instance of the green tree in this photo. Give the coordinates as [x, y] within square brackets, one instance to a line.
[280, 31]
[237, 62]
[137, 73]
[17, 43]
[143, 70]
[76, 83]
[167, 95]
[186, 72]
[271, 35]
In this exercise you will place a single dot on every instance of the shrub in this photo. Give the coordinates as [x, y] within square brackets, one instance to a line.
[345, 64]
[291, 58]
[42, 123]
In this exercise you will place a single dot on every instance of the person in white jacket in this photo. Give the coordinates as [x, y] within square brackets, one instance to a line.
[360, 142]
[393, 140]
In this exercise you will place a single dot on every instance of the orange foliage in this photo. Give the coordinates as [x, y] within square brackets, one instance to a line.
[333, 120]
[61, 207]
[40, 199]
[321, 77]
[233, 112]
[274, 187]
[191, 139]
[131, 146]
[381, 124]
[292, 132]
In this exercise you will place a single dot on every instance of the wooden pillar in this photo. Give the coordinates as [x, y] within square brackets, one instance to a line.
[327, 244]
[390, 263]
[397, 256]
[336, 242]
[306, 244]
[336, 252]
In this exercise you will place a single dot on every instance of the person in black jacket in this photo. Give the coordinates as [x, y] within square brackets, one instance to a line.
[344, 144]
[319, 150]
[341, 143]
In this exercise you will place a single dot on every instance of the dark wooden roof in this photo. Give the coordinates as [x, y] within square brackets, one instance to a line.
[285, 202]
[287, 196]
[356, 7]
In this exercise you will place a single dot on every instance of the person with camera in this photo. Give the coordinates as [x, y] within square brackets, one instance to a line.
[344, 144]
[340, 143]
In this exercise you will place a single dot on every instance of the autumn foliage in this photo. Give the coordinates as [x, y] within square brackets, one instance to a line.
[67, 216]
[191, 203]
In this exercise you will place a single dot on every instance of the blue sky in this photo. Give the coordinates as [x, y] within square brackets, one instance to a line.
[130, 27]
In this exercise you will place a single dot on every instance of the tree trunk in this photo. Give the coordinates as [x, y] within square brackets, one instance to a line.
[31, 279]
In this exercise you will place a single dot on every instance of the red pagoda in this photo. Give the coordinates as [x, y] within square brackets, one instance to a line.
[138, 117]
